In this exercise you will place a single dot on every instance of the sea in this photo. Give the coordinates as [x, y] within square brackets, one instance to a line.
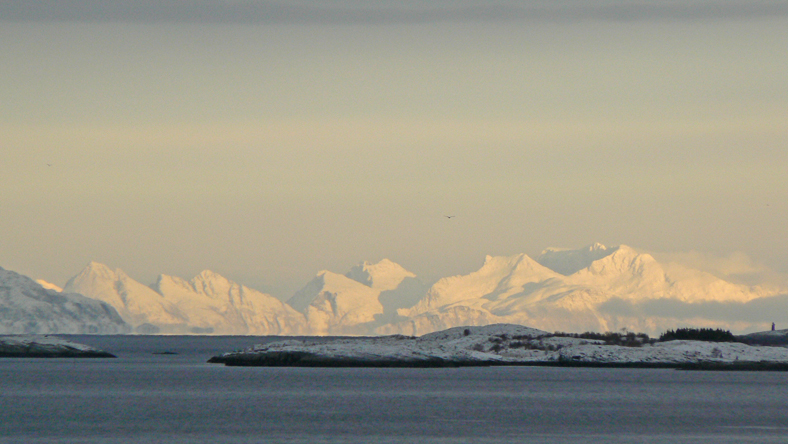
[147, 396]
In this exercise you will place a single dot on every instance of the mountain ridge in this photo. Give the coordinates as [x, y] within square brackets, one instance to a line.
[594, 288]
[207, 304]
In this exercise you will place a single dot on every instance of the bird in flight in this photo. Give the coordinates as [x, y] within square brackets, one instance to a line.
[449, 217]
[49, 164]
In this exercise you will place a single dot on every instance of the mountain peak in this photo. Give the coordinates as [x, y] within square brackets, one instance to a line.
[331, 298]
[384, 275]
[567, 261]
[94, 273]
[206, 282]
[165, 280]
[627, 261]
[596, 246]
[209, 276]
[98, 268]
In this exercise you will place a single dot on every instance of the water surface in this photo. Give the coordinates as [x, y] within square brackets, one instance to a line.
[142, 397]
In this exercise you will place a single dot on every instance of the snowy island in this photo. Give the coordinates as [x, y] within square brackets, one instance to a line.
[30, 346]
[505, 344]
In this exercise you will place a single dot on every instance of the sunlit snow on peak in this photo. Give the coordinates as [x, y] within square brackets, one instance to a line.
[384, 275]
[48, 285]
[566, 261]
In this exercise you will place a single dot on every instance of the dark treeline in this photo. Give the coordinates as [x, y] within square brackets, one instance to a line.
[698, 334]
[626, 339]
[631, 339]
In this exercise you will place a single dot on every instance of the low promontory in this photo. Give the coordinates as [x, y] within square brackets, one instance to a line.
[505, 344]
[34, 346]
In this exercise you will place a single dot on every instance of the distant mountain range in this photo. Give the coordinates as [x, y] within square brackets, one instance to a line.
[596, 288]
[207, 304]
[592, 289]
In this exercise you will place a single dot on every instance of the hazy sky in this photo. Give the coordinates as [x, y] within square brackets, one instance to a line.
[268, 140]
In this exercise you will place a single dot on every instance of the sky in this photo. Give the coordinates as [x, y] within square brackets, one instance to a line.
[268, 140]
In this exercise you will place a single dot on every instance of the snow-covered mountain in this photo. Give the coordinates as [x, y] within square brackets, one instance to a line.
[336, 304]
[398, 287]
[566, 262]
[364, 298]
[139, 305]
[208, 304]
[385, 275]
[591, 289]
[26, 307]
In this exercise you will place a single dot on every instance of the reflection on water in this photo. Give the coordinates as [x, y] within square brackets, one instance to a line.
[178, 398]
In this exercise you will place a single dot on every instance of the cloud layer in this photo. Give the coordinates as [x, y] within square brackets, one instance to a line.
[381, 12]
[762, 310]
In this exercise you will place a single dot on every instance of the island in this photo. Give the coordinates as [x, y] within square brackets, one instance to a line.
[506, 344]
[37, 346]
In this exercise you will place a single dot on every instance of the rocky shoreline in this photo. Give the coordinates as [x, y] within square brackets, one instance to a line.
[506, 345]
[24, 346]
[304, 359]
[301, 359]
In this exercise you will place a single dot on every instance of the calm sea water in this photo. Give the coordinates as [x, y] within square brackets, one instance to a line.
[143, 397]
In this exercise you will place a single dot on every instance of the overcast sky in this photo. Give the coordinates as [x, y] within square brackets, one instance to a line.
[269, 140]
